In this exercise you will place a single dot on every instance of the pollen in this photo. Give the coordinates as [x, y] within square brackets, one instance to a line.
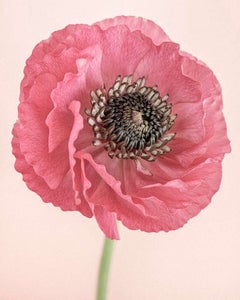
[131, 120]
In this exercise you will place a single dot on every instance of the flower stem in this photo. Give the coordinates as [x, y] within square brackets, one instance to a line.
[104, 269]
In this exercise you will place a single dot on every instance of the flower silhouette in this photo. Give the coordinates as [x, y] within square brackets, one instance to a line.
[116, 122]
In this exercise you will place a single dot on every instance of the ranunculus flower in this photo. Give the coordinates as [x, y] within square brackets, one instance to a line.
[117, 123]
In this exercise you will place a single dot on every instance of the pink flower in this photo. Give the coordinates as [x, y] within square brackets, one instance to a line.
[100, 109]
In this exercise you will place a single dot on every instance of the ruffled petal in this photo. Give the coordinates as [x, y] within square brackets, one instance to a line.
[58, 54]
[107, 222]
[62, 196]
[164, 62]
[125, 49]
[74, 87]
[57, 62]
[83, 205]
[170, 206]
[147, 27]
[33, 133]
[216, 140]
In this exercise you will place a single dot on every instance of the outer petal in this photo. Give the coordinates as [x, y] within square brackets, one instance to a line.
[107, 222]
[33, 133]
[153, 208]
[80, 200]
[147, 27]
[56, 62]
[58, 54]
[216, 140]
[124, 49]
[164, 62]
[62, 196]
[171, 206]
[106, 191]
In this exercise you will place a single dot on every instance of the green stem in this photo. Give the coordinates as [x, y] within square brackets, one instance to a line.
[104, 269]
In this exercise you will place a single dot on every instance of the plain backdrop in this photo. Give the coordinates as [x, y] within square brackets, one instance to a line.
[47, 254]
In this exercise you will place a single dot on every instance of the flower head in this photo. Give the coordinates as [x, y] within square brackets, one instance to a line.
[116, 122]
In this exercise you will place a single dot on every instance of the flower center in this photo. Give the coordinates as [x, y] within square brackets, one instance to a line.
[137, 117]
[131, 120]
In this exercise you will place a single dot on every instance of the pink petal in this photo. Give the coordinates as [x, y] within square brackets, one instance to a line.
[107, 222]
[190, 134]
[94, 169]
[74, 87]
[83, 206]
[59, 123]
[106, 191]
[62, 196]
[172, 205]
[216, 140]
[33, 133]
[79, 36]
[165, 64]
[58, 54]
[147, 27]
[56, 64]
[188, 125]
[124, 49]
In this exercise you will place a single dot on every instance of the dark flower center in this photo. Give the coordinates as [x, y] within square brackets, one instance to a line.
[131, 120]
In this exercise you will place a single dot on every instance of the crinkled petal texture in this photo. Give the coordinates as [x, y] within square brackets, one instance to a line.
[52, 141]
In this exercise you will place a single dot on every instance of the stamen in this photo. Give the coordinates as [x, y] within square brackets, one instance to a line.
[131, 120]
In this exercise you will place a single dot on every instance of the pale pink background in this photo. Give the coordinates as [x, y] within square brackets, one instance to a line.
[47, 254]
